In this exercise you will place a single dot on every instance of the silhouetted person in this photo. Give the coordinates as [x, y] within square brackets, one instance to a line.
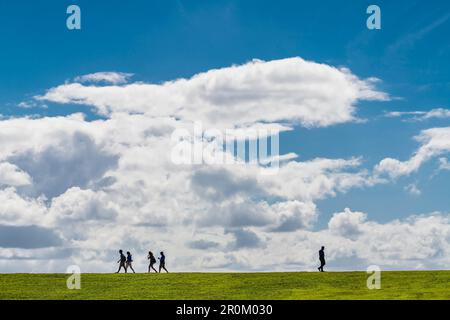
[122, 261]
[162, 262]
[129, 261]
[322, 258]
[152, 261]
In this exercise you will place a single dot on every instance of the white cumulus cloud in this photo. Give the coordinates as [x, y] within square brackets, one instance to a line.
[434, 142]
[11, 175]
[110, 183]
[437, 113]
[292, 90]
[109, 77]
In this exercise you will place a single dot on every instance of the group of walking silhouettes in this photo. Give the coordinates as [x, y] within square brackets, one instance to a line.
[126, 262]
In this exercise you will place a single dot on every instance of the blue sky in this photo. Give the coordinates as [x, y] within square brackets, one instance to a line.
[166, 40]
[163, 40]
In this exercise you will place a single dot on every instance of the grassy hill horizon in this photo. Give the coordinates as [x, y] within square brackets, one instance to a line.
[229, 286]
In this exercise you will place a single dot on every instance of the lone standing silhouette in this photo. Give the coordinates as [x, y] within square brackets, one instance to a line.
[321, 258]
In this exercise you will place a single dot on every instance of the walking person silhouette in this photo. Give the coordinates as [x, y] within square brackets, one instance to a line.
[152, 261]
[122, 261]
[129, 261]
[322, 258]
[162, 262]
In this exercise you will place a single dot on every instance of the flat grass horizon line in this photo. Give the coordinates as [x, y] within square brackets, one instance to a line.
[231, 272]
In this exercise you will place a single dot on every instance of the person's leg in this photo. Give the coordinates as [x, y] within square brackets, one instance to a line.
[160, 266]
[322, 263]
[131, 266]
[153, 268]
[164, 267]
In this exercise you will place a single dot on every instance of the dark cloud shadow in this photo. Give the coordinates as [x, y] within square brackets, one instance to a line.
[78, 161]
[28, 237]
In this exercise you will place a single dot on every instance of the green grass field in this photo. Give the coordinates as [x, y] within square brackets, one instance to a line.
[276, 285]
